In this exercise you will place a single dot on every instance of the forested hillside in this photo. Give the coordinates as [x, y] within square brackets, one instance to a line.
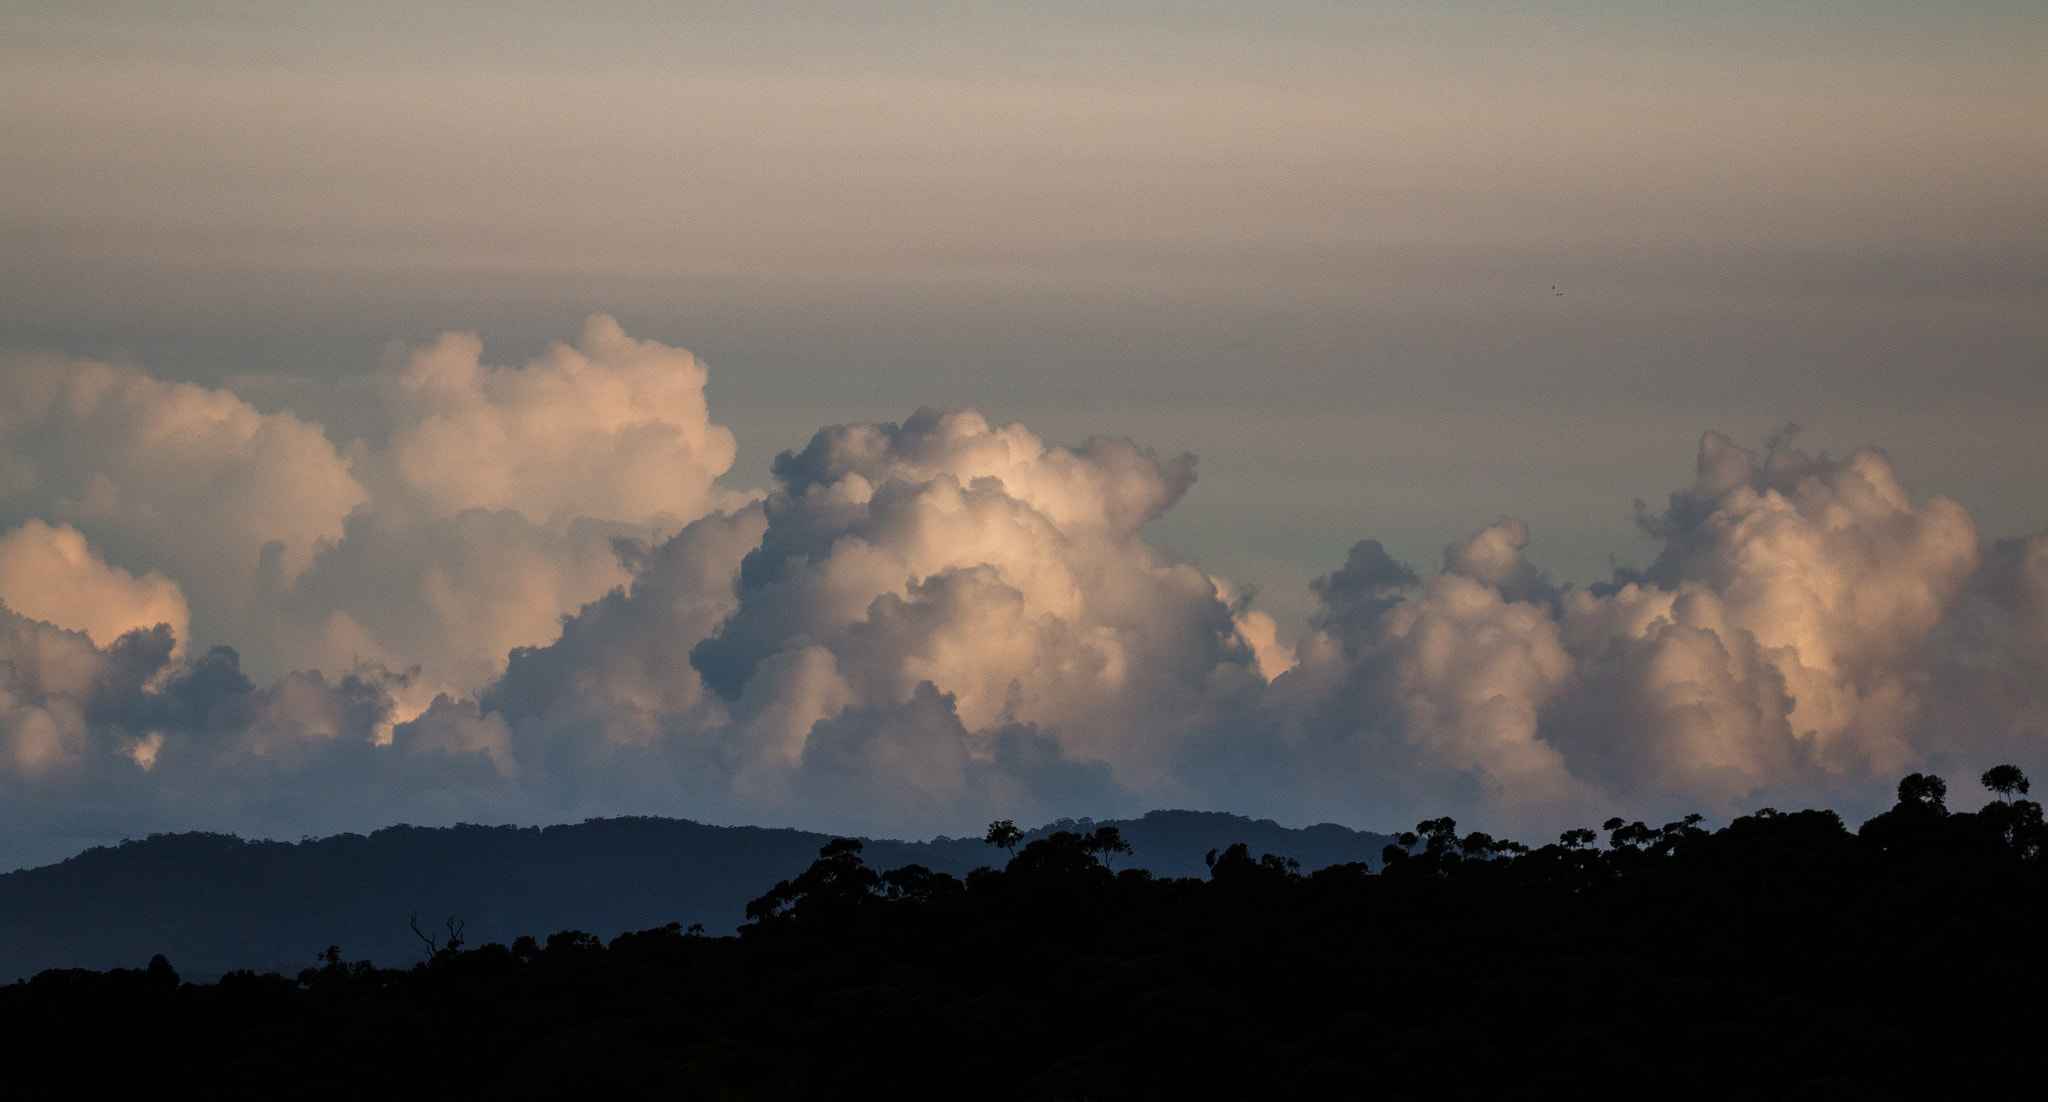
[1782, 956]
[214, 903]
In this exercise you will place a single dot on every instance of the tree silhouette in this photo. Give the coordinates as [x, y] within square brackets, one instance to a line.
[917, 884]
[1004, 833]
[1060, 860]
[1924, 792]
[436, 947]
[1439, 838]
[2006, 780]
[1482, 965]
[1106, 841]
[1275, 865]
[160, 973]
[2016, 823]
[836, 885]
[1235, 864]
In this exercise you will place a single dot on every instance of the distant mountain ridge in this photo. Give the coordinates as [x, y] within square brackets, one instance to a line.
[213, 903]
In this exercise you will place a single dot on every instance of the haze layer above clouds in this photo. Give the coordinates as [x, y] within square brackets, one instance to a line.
[281, 288]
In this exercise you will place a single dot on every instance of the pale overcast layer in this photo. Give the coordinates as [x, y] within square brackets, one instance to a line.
[354, 338]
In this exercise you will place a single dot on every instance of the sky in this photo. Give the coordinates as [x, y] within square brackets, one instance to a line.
[1684, 362]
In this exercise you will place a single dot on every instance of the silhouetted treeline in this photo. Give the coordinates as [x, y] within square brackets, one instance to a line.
[1782, 956]
[214, 902]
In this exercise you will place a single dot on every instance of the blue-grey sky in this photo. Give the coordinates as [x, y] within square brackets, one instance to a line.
[1389, 271]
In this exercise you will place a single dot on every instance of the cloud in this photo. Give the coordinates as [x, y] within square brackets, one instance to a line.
[931, 584]
[47, 676]
[968, 591]
[1006, 572]
[1986, 700]
[48, 573]
[1419, 696]
[1782, 635]
[1784, 641]
[612, 429]
[485, 508]
[194, 482]
[451, 595]
[499, 499]
[620, 672]
[101, 742]
[921, 626]
[1493, 558]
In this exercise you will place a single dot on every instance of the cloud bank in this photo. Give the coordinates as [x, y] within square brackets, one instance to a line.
[529, 598]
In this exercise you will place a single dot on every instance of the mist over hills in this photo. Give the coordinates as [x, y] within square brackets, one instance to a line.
[213, 903]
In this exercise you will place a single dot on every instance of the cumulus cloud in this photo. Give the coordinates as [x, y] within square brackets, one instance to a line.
[532, 601]
[194, 482]
[620, 672]
[1431, 699]
[499, 500]
[1007, 573]
[1987, 698]
[452, 596]
[1782, 635]
[1493, 558]
[613, 428]
[47, 676]
[936, 583]
[100, 742]
[980, 598]
[1784, 642]
[50, 574]
[487, 509]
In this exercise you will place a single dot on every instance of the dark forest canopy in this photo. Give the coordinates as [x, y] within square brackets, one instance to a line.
[1780, 956]
[214, 902]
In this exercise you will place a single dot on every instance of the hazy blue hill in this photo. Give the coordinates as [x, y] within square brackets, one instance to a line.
[213, 902]
[1174, 843]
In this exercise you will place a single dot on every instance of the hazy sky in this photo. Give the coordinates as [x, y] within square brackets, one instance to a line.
[1389, 271]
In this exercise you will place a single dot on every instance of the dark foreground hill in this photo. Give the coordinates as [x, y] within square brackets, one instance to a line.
[213, 903]
[1780, 957]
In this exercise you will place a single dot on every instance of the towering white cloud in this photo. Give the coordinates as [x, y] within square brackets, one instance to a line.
[450, 595]
[225, 500]
[1428, 693]
[497, 500]
[487, 511]
[612, 429]
[531, 600]
[1788, 643]
[966, 589]
[1782, 638]
[1783, 642]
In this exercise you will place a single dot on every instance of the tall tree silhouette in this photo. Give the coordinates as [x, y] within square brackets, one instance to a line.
[1004, 834]
[2006, 780]
[1106, 841]
[837, 885]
